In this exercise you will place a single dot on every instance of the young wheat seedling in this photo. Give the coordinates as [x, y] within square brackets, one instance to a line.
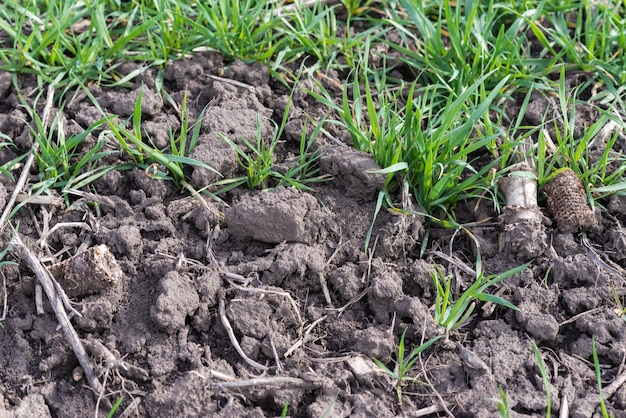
[400, 373]
[451, 314]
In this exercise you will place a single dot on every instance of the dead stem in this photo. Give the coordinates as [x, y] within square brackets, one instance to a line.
[233, 82]
[48, 284]
[268, 381]
[233, 339]
[307, 331]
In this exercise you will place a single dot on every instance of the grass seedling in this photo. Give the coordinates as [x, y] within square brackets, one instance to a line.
[283, 412]
[544, 377]
[115, 407]
[503, 404]
[452, 314]
[403, 366]
[256, 159]
[65, 162]
[596, 366]
[601, 175]
[148, 157]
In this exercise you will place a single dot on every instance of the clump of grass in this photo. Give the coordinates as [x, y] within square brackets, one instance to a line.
[257, 160]
[403, 366]
[150, 158]
[602, 174]
[62, 161]
[452, 314]
[62, 42]
[428, 138]
[243, 30]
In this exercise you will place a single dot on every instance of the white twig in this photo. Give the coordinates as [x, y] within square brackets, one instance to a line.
[300, 342]
[267, 381]
[233, 339]
[39, 299]
[279, 368]
[47, 282]
[214, 374]
[233, 82]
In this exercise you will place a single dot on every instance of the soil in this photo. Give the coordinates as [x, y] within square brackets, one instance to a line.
[173, 293]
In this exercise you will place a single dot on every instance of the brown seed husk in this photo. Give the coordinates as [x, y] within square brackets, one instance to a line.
[567, 203]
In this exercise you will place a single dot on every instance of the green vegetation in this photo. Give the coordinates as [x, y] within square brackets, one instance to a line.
[65, 162]
[400, 373]
[464, 60]
[452, 314]
[427, 87]
[503, 405]
[544, 376]
[596, 366]
[257, 160]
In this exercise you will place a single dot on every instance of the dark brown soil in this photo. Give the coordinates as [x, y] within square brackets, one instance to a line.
[288, 272]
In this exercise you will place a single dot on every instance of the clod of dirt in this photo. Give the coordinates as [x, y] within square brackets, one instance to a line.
[5, 82]
[175, 400]
[567, 203]
[329, 405]
[126, 241]
[33, 405]
[275, 216]
[251, 317]
[177, 299]
[374, 342]
[88, 272]
[533, 316]
[353, 171]
[189, 75]
[345, 282]
[123, 105]
[574, 271]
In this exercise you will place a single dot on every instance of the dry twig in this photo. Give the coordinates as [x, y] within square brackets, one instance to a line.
[233, 339]
[48, 283]
[268, 381]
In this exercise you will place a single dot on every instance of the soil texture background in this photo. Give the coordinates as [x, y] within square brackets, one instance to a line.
[268, 298]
